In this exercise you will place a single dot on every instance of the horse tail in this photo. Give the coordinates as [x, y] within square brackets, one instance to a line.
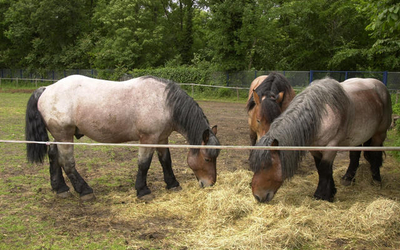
[35, 129]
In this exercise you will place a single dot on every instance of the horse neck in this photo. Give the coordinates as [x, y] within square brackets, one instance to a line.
[193, 131]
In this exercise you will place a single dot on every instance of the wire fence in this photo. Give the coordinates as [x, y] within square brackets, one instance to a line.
[229, 147]
[298, 79]
[293, 76]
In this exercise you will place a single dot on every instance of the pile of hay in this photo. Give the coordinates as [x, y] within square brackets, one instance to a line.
[227, 216]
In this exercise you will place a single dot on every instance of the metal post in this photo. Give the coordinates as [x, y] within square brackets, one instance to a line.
[385, 76]
[192, 90]
[311, 75]
[237, 93]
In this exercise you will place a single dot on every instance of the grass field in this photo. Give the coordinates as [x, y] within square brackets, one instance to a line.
[225, 216]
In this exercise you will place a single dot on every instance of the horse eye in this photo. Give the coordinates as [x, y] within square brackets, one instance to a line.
[207, 159]
[258, 121]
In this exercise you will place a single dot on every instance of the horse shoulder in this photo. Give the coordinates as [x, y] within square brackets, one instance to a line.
[332, 129]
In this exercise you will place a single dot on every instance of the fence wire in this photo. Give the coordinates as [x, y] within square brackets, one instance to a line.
[228, 147]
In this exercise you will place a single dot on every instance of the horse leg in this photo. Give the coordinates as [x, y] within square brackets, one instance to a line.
[67, 161]
[164, 157]
[348, 178]
[326, 189]
[375, 159]
[56, 177]
[145, 157]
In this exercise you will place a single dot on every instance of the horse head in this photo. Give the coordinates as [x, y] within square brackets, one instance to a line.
[267, 168]
[266, 109]
[203, 162]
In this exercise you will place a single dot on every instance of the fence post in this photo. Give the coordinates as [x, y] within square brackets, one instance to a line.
[237, 93]
[17, 82]
[311, 75]
[385, 75]
[192, 90]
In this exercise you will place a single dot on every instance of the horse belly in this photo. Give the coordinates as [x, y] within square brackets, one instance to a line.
[360, 132]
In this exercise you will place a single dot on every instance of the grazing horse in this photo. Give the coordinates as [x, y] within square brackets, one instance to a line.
[268, 97]
[144, 109]
[327, 113]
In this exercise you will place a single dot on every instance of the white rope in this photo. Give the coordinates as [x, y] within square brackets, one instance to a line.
[289, 148]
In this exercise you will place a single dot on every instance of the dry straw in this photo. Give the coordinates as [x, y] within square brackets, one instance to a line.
[226, 216]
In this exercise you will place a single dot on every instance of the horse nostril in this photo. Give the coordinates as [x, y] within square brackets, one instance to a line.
[269, 197]
[201, 184]
[257, 198]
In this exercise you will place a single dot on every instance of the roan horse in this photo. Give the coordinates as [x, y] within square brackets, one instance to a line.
[327, 113]
[145, 109]
[268, 97]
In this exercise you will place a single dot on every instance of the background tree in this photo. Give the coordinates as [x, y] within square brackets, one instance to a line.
[41, 31]
[224, 35]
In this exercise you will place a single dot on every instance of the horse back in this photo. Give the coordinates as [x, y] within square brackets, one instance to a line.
[254, 84]
[371, 109]
[105, 111]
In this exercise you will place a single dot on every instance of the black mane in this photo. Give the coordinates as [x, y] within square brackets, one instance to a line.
[270, 109]
[299, 124]
[272, 85]
[188, 117]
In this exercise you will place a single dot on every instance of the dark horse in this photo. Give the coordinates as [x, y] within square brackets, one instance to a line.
[268, 97]
[145, 109]
[327, 113]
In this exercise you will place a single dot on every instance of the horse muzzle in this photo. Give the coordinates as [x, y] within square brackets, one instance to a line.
[264, 197]
[206, 182]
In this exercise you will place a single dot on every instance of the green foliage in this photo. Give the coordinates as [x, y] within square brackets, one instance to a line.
[182, 74]
[219, 35]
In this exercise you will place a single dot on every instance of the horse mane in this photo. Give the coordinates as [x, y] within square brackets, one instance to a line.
[188, 116]
[299, 124]
[274, 83]
[270, 109]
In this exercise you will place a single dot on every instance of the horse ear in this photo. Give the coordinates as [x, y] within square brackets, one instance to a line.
[214, 129]
[206, 136]
[279, 97]
[256, 98]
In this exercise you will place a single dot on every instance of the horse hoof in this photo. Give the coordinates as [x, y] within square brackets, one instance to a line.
[175, 189]
[376, 183]
[345, 182]
[147, 197]
[88, 197]
[64, 195]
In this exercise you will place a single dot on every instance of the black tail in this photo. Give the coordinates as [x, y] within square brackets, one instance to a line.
[35, 129]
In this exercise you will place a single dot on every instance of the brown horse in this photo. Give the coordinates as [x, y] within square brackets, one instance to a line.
[327, 113]
[145, 109]
[268, 97]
